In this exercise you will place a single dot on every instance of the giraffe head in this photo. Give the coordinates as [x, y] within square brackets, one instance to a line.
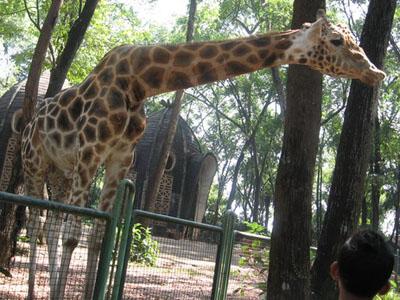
[332, 49]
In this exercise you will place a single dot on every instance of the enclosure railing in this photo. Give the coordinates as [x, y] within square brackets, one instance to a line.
[14, 289]
[221, 267]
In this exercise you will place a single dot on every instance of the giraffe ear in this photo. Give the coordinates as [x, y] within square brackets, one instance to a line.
[321, 14]
[315, 29]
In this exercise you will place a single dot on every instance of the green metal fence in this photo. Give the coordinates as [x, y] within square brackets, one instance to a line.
[194, 259]
[188, 267]
[16, 287]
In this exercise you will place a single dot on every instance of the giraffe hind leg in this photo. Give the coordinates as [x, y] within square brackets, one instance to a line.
[71, 231]
[59, 186]
[116, 167]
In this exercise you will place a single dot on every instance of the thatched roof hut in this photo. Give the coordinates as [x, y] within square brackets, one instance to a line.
[189, 172]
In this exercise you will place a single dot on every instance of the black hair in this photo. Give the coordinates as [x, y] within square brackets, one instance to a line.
[365, 263]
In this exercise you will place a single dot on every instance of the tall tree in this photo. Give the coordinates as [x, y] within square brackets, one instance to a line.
[290, 242]
[347, 187]
[75, 38]
[35, 70]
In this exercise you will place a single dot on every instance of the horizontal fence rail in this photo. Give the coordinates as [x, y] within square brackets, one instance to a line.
[52, 205]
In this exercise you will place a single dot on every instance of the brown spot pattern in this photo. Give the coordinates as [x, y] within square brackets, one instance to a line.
[178, 80]
[208, 51]
[98, 109]
[87, 155]
[106, 76]
[284, 44]
[270, 60]
[236, 68]
[63, 122]
[75, 110]
[123, 67]
[140, 59]
[241, 50]
[118, 121]
[122, 83]
[92, 91]
[103, 132]
[252, 59]
[154, 77]
[138, 91]
[261, 41]
[67, 96]
[115, 99]
[160, 55]
[183, 59]
[90, 133]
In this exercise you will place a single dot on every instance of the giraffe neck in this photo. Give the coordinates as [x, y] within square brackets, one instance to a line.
[154, 70]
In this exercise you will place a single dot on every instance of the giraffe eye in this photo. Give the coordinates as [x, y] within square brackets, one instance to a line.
[337, 42]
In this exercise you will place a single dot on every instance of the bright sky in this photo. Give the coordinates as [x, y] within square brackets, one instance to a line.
[160, 12]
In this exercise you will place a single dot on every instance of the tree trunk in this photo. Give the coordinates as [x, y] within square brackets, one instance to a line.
[10, 223]
[364, 211]
[376, 174]
[396, 228]
[267, 204]
[35, 70]
[257, 182]
[75, 38]
[348, 179]
[290, 242]
[155, 178]
[318, 192]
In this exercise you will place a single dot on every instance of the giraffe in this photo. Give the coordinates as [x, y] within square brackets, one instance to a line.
[100, 120]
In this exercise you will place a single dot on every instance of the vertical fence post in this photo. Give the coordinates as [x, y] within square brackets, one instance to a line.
[127, 254]
[123, 243]
[224, 257]
[108, 244]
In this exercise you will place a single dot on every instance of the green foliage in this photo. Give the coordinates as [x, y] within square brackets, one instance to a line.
[256, 256]
[144, 249]
[255, 228]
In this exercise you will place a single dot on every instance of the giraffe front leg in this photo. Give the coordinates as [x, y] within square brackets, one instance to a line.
[116, 169]
[33, 225]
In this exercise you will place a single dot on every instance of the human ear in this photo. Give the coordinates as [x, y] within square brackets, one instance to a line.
[334, 271]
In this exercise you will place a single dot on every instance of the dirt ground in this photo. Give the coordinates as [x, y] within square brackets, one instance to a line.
[184, 270]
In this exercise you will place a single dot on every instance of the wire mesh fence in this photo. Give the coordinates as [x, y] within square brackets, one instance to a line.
[39, 261]
[50, 230]
[248, 273]
[176, 259]
[182, 266]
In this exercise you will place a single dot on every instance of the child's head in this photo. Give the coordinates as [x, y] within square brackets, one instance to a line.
[364, 265]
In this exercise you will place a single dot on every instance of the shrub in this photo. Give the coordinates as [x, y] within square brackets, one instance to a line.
[144, 249]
